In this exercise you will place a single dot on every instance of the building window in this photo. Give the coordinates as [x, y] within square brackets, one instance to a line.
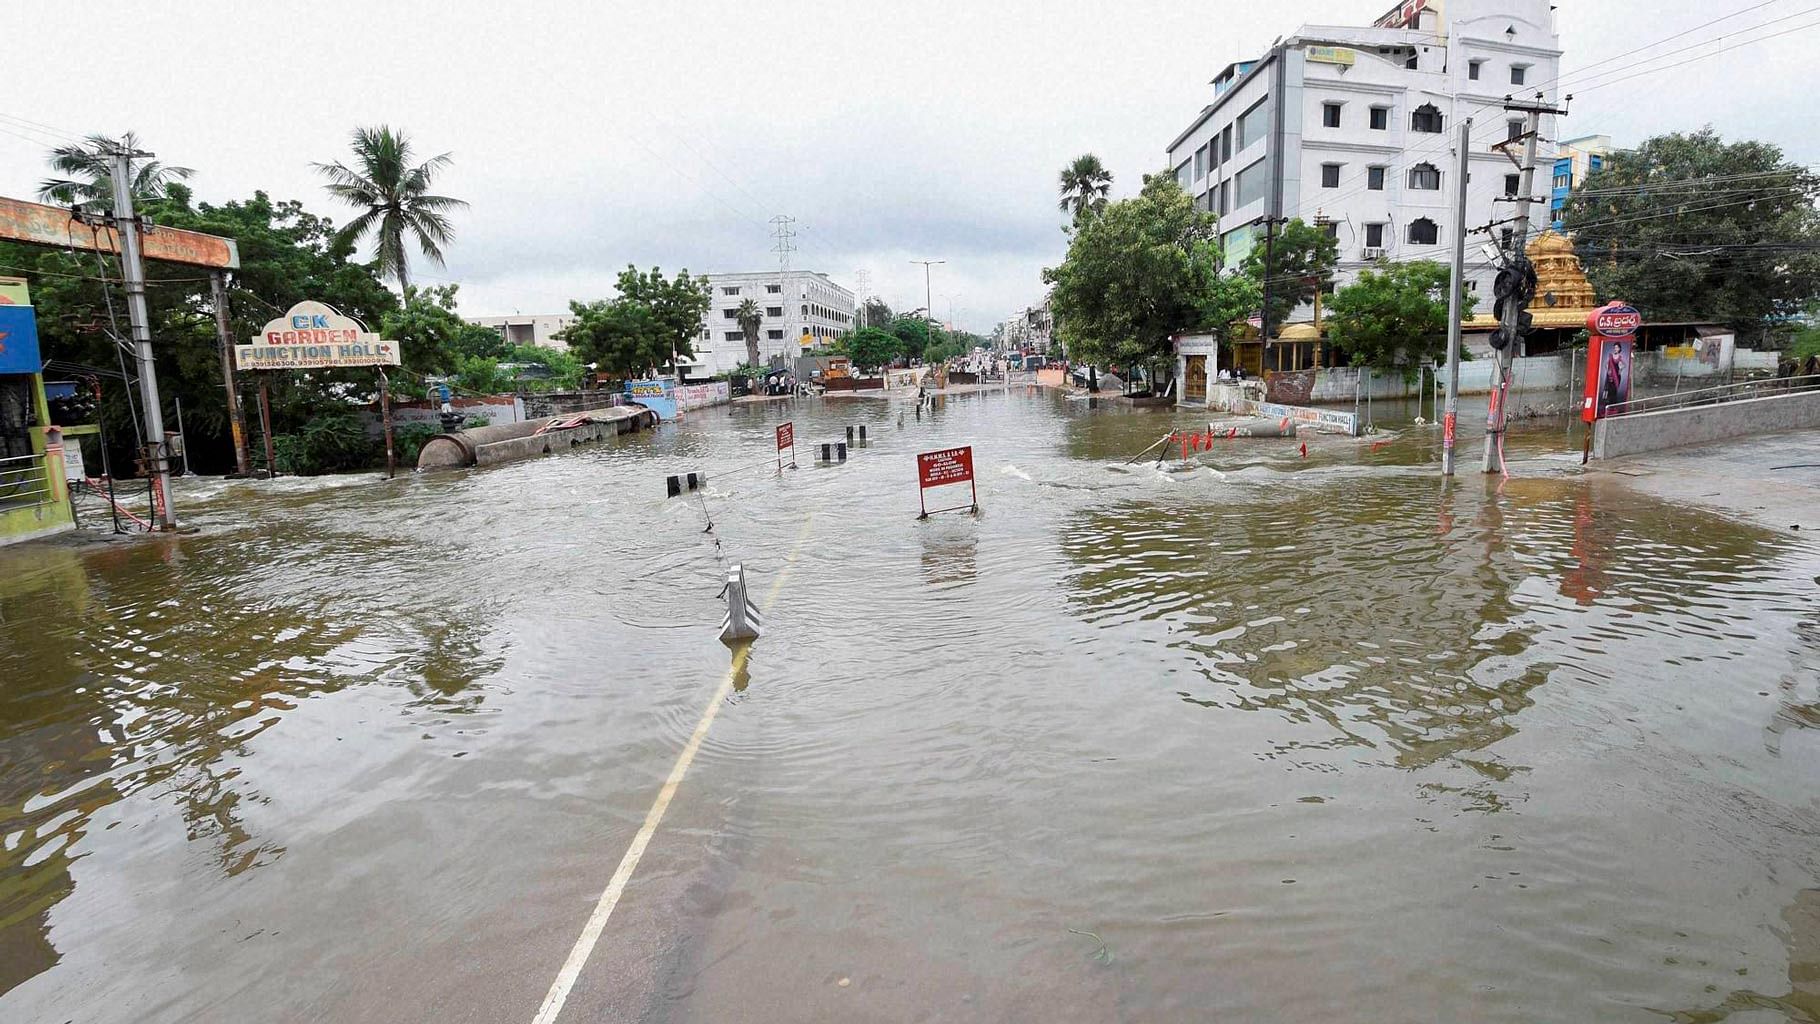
[1424, 177]
[1422, 231]
[1518, 73]
[1253, 124]
[1563, 180]
[773, 289]
[805, 309]
[1253, 182]
[1330, 115]
[1514, 127]
[1411, 63]
[775, 334]
[1510, 184]
[736, 336]
[729, 291]
[774, 311]
[1226, 144]
[1426, 118]
[1200, 164]
[1374, 178]
[1182, 177]
[1330, 228]
[729, 314]
[1380, 119]
[1374, 236]
[1472, 69]
[1330, 175]
[1225, 195]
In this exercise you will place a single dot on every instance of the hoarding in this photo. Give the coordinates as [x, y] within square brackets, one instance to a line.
[19, 340]
[313, 336]
[37, 224]
[1609, 357]
[942, 468]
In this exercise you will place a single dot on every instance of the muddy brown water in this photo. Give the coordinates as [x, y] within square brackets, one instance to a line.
[1297, 740]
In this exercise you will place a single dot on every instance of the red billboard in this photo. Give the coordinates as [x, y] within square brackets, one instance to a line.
[786, 436]
[1609, 355]
[939, 469]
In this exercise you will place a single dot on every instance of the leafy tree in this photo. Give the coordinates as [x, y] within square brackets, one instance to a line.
[1135, 275]
[1806, 344]
[1689, 227]
[481, 375]
[433, 338]
[872, 347]
[941, 351]
[90, 167]
[1393, 316]
[1300, 261]
[1084, 186]
[394, 197]
[912, 334]
[874, 313]
[749, 317]
[652, 321]
[566, 371]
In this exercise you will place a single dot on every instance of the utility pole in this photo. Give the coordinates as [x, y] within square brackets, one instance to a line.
[1270, 224]
[132, 270]
[928, 298]
[1514, 292]
[243, 458]
[1450, 418]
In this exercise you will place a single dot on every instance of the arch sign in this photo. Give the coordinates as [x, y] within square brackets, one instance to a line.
[313, 336]
[1609, 351]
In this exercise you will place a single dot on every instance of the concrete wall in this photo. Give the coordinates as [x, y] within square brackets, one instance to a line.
[1675, 428]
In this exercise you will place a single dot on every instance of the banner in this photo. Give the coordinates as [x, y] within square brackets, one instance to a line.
[312, 336]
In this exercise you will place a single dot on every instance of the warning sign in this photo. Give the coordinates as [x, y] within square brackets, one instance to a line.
[786, 435]
[939, 469]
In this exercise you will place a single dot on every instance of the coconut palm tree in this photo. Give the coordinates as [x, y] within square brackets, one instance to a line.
[90, 167]
[749, 317]
[394, 198]
[1085, 184]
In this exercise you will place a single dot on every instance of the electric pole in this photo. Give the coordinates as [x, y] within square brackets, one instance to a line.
[1450, 418]
[1270, 224]
[928, 298]
[243, 458]
[1516, 284]
[132, 271]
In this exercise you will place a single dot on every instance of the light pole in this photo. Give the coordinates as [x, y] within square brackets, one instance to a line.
[928, 299]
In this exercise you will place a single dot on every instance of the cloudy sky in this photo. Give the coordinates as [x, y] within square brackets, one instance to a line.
[587, 135]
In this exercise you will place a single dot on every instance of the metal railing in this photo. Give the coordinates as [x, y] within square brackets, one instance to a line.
[24, 482]
[1764, 387]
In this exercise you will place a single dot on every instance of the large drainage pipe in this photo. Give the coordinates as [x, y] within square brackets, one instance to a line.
[485, 446]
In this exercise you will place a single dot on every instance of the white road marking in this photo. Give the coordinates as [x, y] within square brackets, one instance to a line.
[616, 886]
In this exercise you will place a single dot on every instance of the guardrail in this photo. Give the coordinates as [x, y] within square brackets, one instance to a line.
[1739, 391]
[24, 482]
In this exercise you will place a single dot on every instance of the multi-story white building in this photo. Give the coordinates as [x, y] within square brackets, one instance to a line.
[1354, 129]
[800, 308]
[528, 329]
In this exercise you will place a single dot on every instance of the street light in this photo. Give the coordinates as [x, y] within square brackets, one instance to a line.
[928, 298]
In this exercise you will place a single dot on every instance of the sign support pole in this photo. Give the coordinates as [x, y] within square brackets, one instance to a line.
[132, 271]
[1450, 418]
[243, 457]
[265, 427]
[385, 415]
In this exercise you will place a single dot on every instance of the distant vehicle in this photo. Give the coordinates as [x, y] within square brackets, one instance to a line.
[1035, 362]
[840, 367]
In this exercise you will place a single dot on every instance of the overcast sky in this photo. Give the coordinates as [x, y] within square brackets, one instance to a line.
[587, 135]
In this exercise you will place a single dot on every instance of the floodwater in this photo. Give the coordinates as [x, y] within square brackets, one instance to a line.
[1284, 739]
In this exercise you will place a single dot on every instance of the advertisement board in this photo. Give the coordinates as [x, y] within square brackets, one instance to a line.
[1610, 355]
[941, 469]
[312, 336]
[19, 340]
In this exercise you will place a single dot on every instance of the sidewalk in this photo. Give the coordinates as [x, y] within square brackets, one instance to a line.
[1772, 480]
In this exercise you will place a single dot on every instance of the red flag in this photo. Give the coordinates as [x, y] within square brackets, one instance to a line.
[1304, 449]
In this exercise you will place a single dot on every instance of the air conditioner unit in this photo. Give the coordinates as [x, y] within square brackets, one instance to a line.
[1373, 252]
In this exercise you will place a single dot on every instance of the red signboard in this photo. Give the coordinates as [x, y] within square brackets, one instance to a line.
[1614, 320]
[948, 466]
[786, 436]
[1608, 359]
[37, 224]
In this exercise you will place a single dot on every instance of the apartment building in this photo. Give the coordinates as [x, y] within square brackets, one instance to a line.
[1575, 159]
[799, 308]
[1354, 128]
[528, 329]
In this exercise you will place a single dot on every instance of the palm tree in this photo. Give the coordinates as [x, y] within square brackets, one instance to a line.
[748, 317]
[1085, 183]
[394, 197]
[91, 169]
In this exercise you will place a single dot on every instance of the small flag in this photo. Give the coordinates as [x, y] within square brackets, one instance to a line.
[1304, 449]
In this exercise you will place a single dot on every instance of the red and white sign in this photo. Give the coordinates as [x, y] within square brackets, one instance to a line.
[1614, 320]
[786, 436]
[942, 468]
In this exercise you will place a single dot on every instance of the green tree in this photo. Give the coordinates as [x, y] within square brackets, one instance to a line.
[89, 170]
[1395, 315]
[432, 337]
[394, 198]
[912, 333]
[652, 321]
[1085, 183]
[1690, 227]
[565, 370]
[1134, 276]
[749, 317]
[1300, 261]
[872, 347]
[874, 313]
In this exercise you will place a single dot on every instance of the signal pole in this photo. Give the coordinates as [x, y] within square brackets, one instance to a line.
[1450, 417]
[132, 270]
[1511, 316]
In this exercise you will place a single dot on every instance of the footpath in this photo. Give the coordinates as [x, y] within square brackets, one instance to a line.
[1772, 480]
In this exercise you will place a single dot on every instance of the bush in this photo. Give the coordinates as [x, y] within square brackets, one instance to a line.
[408, 441]
[1806, 344]
[332, 442]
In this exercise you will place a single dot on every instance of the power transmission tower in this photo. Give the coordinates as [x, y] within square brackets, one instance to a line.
[864, 277]
[785, 235]
[132, 273]
[1516, 283]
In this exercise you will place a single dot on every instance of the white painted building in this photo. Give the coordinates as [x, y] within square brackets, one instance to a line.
[800, 308]
[1354, 129]
[528, 329]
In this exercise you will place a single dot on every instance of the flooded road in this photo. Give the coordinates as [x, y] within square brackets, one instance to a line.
[1297, 740]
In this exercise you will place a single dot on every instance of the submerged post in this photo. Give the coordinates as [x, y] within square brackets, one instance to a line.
[742, 621]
